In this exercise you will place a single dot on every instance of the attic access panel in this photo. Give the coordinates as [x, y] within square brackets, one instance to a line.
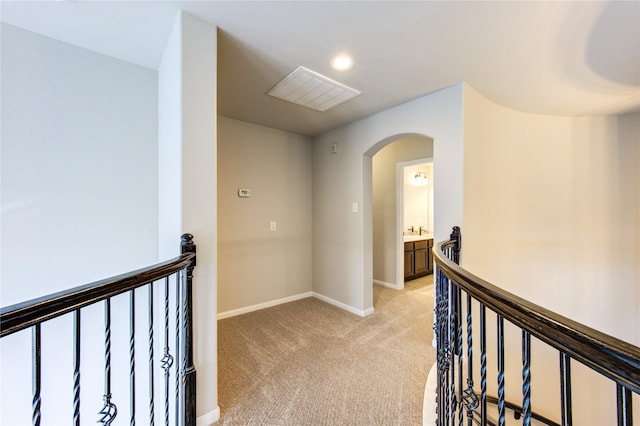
[312, 90]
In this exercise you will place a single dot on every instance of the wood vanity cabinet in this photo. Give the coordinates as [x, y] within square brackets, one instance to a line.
[418, 259]
[408, 261]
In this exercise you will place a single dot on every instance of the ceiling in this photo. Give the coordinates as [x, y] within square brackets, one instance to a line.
[561, 58]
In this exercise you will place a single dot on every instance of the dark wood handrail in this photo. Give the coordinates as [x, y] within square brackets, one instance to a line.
[32, 313]
[25, 314]
[609, 356]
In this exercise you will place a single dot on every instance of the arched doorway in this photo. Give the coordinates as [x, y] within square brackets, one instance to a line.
[342, 237]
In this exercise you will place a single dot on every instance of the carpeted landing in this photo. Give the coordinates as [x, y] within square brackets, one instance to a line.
[311, 363]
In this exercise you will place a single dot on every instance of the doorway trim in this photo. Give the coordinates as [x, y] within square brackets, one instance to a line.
[400, 216]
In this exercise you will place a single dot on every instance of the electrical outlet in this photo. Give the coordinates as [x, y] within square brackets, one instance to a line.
[273, 225]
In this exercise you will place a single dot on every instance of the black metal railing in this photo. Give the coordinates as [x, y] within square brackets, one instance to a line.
[459, 292]
[177, 272]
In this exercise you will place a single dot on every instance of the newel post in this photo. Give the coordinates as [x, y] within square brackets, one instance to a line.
[457, 247]
[189, 372]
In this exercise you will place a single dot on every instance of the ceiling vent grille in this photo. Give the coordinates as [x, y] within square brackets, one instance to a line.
[312, 90]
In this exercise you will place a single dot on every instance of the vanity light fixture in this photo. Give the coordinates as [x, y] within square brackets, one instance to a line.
[420, 179]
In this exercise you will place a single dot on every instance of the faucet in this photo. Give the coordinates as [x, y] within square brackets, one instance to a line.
[422, 228]
[411, 229]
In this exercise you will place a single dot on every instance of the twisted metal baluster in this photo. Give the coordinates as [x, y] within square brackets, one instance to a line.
[436, 330]
[151, 388]
[76, 367]
[470, 398]
[453, 340]
[483, 364]
[459, 353]
[167, 359]
[565, 389]
[109, 410]
[447, 349]
[177, 364]
[132, 357]
[436, 333]
[441, 336]
[624, 406]
[454, 254]
[36, 375]
[185, 324]
[526, 378]
[501, 413]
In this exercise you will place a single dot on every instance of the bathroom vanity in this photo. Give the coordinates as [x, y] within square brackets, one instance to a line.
[418, 257]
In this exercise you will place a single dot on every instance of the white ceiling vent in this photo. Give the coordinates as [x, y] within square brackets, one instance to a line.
[311, 90]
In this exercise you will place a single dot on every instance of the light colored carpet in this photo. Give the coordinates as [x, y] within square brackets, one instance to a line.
[310, 363]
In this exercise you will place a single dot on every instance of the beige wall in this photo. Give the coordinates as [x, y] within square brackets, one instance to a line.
[257, 265]
[551, 214]
[342, 239]
[384, 171]
[556, 200]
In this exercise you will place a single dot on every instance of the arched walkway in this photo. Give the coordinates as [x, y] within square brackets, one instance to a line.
[411, 146]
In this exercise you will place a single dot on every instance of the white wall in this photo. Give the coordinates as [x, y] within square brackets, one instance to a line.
[259, 266]
[342, 240]
[551, 214]
[79, 200]
[187, 110]
[384, 202]
[418, 200]
[629, 154]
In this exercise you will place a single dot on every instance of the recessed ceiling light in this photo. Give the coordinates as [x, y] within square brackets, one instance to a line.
[341, 62]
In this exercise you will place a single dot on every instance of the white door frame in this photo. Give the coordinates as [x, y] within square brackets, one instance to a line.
[400, 216]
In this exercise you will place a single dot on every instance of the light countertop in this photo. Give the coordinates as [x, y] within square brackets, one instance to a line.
[416, 237]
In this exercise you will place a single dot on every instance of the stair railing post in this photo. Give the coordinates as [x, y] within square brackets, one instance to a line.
[189, 372]
[457, 236]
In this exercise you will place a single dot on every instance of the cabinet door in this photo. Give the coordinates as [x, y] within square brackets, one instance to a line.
[423, 244]
[420, 261]
[408, 263]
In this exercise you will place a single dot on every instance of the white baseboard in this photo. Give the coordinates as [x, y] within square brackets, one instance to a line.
[209, 418]
[359, 312]
[247, 309]
[252, 308]
[389, 285]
